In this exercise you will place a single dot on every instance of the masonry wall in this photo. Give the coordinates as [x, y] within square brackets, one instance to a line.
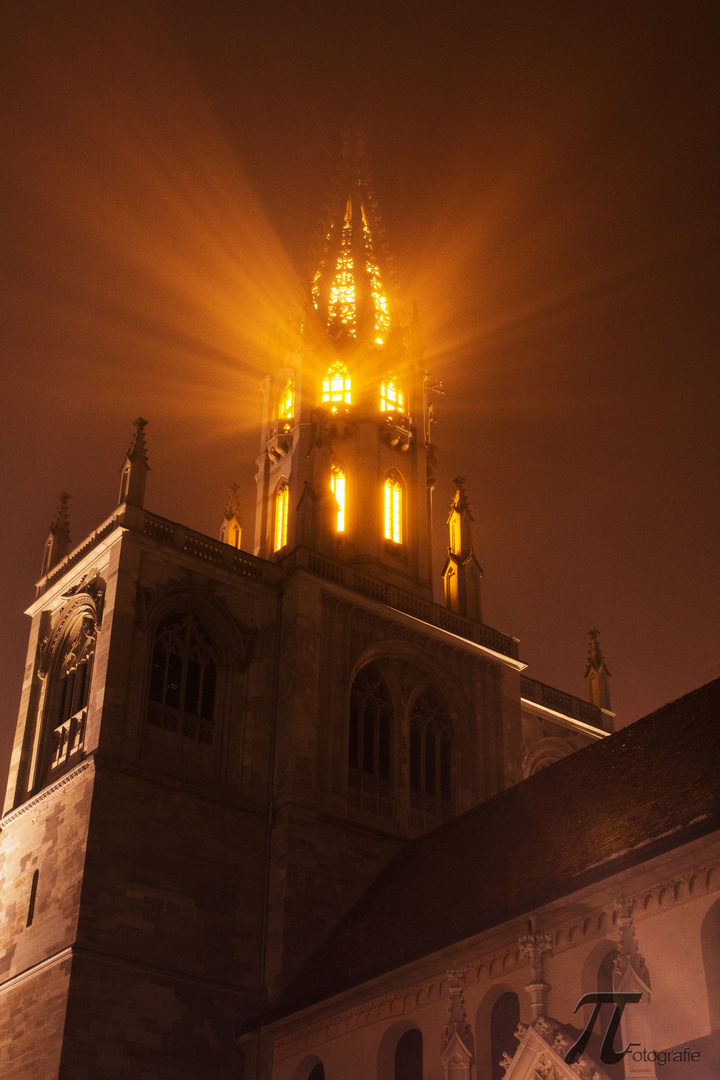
[47, 834]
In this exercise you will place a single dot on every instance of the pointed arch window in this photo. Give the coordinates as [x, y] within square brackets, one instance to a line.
[337, 486]
[430, 747]
[391, 396]
[183, 679]
[69, 700]
[281, 517]
[370, 725]
[393, 509]
[286, 401]
[337, 387]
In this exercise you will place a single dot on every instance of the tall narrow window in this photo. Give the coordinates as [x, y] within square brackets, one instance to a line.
[336, 389]
[430, 747]
[391, 398]
[370, 726]
[337, 486]
[33, 897]
[286, 403]
[281, 517]
[393, 510]
[183, 679]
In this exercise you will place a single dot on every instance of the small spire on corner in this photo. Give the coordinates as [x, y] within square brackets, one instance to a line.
[597, 673]
[57, 544]
[231, 526]
[133, 474]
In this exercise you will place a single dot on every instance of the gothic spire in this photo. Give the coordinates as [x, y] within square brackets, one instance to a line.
[135, 468]
[57, 544]
[349, 291]
[597, 673]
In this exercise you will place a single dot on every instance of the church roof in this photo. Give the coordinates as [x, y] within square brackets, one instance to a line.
[619, 802]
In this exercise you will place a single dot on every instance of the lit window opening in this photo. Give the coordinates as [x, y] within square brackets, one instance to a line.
[393, 511]
[281, 517]
[337, 387]
[286, 404]
[391, 398]
[337, 486]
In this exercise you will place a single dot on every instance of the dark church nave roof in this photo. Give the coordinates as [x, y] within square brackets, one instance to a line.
[624, 800]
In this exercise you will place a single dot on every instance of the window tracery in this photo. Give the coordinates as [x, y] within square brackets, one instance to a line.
[391, 396]
[370, 724]
[337, 386]
[430, 747]
[183, 679]
[286, 402]
[69, 695]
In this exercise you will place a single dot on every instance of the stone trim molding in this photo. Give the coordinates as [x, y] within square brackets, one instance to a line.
[46, 793]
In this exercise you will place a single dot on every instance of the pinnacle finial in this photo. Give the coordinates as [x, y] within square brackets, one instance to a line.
[57, 544]
[597, 673]
[231, 525]
[135, 468]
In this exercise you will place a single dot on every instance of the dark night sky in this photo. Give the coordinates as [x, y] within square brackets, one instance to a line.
[548, 175]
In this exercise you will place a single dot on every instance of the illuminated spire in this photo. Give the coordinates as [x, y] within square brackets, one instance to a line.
[462, 572]
[231, 527]
[348, 291]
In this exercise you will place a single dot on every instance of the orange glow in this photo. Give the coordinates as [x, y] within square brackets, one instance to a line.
[391, 398]
[337, 486]
[281, 517]
[393, 510]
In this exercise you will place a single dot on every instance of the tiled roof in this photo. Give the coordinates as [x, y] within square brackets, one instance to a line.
[619, 802]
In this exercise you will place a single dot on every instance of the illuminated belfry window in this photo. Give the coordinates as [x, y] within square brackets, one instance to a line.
[380, 304]
[337, 486]
[341, 308]
[393, 510]
[286, 403]
[281, 517]
[391, 398]
[336, 387]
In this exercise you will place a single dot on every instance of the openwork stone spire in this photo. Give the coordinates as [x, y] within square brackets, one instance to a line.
[133, 474]
[597, 673]
[349, 290]
[57, 544]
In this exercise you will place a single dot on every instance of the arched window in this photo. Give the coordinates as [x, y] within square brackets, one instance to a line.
[337, 486]
[391, 397]
[281, 517]
[69, 698]
[393, 509]
[504, 1020]
[336, 388]
[430, 747]
[317, 1072]
[183, 679]
[286, 401]
[409, 1056]
[370, 725]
